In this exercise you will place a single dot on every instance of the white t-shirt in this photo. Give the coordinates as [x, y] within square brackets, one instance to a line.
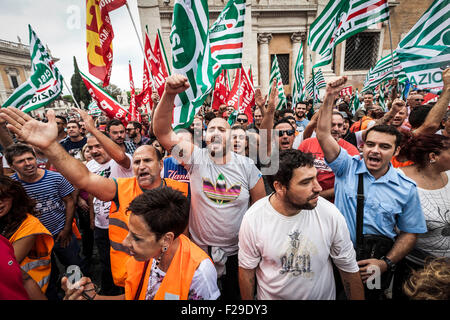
[203, 285]
[219, 198]
[292, 255]
[436, 208]
[110, 169]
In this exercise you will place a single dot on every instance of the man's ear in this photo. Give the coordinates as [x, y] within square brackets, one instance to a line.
[397, 150]
[279, 188]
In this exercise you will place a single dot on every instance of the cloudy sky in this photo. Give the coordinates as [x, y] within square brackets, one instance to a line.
[61, 24]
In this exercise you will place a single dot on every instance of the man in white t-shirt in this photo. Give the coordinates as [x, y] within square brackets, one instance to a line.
[222, 183]
[288, 239]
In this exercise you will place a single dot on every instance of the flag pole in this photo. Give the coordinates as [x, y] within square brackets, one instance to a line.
[164, 52]
[71, 93]
[142, 47]
[390, 40]
[239, 88]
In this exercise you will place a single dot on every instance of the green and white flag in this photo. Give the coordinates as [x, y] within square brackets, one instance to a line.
[355, 103]
[316, 83]
[299, 88]
[276, 74]
[426, 47]
[191, 56]
[44, 85]
[227, 36]
[382, 72]
[381, 100]
[341, 19]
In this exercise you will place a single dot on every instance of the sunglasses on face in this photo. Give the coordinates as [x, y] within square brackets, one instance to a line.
[241, 120]
[288, 132]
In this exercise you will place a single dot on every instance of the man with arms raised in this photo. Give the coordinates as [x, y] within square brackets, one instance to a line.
[222, 186]
[146, 163]
[390, 199]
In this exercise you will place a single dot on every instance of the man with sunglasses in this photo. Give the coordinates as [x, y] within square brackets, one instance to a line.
[285, 134]
[242, 120]
[134, 130]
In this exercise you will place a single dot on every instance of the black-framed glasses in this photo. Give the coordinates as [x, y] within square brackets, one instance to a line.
[288, 132]
[241, 120]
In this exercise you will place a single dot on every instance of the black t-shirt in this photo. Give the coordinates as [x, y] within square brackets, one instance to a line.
[350, 137]
[74, 148]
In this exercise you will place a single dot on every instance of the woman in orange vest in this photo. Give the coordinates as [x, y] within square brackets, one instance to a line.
[165, 264]
[32, 242]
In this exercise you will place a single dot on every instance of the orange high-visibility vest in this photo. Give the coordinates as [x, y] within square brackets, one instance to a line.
[127, 190]
[176, 282]
[38, 261]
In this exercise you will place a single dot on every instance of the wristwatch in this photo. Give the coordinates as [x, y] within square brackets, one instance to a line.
[391, 266]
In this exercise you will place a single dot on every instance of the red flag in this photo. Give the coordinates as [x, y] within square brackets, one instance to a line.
[347, 91]
[221, 90]
[135, 115]
[99, 36]
[159, 55]
[144, 97]
[242, 95]
[105, 102]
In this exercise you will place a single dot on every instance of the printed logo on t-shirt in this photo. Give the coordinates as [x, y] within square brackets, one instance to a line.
[297, 258]
[218, 192]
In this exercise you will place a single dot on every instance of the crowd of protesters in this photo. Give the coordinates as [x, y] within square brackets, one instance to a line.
[315, 201]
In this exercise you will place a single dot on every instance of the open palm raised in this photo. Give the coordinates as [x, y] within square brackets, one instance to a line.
[34, 132]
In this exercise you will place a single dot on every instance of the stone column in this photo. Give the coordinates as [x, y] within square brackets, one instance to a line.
[264, 61]
[296, 38]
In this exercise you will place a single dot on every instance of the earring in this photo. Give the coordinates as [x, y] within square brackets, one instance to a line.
[158, 260]
[432, 161]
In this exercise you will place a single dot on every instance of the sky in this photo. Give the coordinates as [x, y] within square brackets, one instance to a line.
[61, 24]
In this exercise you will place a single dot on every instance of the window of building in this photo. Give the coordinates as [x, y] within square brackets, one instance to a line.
[14, 81]
[361, 51]
[283, 63]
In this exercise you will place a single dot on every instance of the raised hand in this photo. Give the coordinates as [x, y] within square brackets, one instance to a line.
[273, 98]
[88, 120]
[176, 84]
[32, 131]
[446, 78]
[334, 87]
[397, 105]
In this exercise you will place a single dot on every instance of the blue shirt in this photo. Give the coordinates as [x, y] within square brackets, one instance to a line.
[301, 125]
[48, 193]
[390, 201]
[175, 171]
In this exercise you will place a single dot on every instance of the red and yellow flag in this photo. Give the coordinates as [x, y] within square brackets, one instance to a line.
[99, 35]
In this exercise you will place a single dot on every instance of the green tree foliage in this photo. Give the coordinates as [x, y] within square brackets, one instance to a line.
[80, 92]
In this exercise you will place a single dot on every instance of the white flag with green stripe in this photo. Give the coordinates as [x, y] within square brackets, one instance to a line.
[340, 20]
[191, 56]
[227, 35]
[316, 83]
[44, 85]
[382, 72]
[299, 88]
[276, 74]
[426, 47]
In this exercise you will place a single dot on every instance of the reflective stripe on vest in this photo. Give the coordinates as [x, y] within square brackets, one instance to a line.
[34, 264]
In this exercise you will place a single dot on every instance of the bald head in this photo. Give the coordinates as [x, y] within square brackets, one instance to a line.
[147, 149]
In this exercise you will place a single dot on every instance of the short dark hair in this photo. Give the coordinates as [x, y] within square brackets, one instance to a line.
[209, 116]
[237, 127]
[163, 209]
[62, 118]
[284, 111]
[113, 122]
[136, 125]
[289, 161]
[16, 150]
[284, 120]
[158, 153]
[242, 114]
[74, 121]
[418, 115]
[391, 130]
[368, 92]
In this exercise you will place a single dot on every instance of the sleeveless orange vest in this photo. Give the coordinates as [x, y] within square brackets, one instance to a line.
[38, 261]
[176, 282]
[127, 190]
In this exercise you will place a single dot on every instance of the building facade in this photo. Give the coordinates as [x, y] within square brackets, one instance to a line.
[278, 27]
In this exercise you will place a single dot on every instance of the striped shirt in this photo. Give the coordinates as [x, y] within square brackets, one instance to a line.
[48, 193]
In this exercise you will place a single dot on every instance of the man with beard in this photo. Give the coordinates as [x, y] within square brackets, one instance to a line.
[390, 202]
[134, 130]
[300, 116]
[116, 131]
[222, 182]
[288, 239]
[146, 164]
[325, 175]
